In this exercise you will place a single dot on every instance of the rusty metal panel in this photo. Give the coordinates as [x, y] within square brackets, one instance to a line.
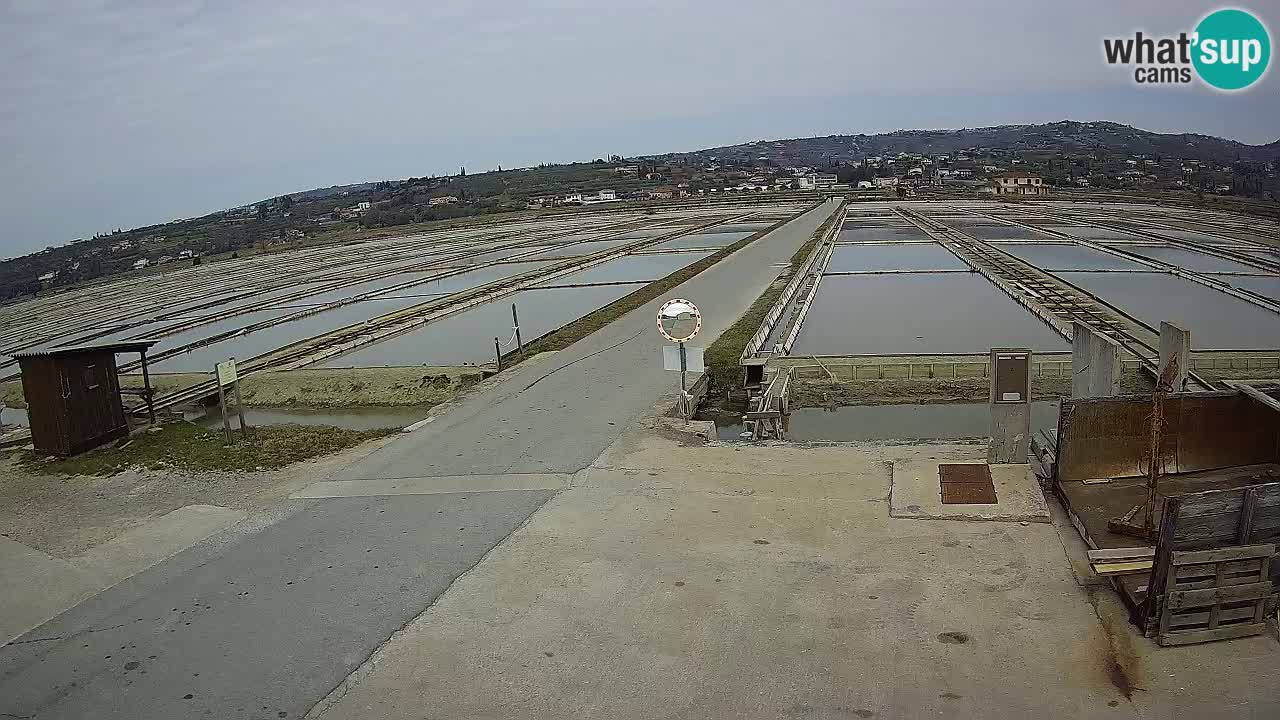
[1110, 437]
[968, 494]
[964, 473]
[1105, 438]
[1216, 432]
[966, 484]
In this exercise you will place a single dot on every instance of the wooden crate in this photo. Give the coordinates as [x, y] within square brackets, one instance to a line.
[1216, 594]
[1205, 521]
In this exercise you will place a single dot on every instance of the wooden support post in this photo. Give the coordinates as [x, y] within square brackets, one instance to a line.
[146, 388]
[515, 322]
[497, 351]
[235, 390]
[222, 404]
[1248, 509]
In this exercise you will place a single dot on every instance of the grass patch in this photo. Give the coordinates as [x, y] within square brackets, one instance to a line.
[11, 394]
[723, 355]
[584, 326]
[186, 447]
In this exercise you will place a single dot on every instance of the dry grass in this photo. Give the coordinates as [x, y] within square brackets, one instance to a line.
[184, 447]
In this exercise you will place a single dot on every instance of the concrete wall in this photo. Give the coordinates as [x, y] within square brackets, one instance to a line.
[1095, 364]
[1175, 342]
[1010, 433]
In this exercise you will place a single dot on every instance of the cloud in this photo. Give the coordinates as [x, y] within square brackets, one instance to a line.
[123, 113]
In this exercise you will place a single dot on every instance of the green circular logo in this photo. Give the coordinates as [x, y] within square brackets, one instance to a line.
[1232, 49]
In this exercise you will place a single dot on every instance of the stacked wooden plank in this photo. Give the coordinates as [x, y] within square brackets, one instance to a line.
[1122, 561]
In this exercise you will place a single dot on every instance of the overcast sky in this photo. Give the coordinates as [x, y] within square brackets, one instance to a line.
[119, 114]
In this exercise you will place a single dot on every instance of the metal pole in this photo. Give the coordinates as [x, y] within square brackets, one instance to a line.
[686, 407]
[497, 350]
[683, 367]
[515, 320]
[222, 403]
[146, 388]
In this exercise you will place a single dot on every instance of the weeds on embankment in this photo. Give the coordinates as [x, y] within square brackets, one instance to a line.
[184, 447]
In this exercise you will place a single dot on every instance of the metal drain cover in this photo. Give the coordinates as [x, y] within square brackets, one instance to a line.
[966, 484]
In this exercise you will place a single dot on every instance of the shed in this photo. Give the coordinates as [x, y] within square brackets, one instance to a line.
[73, 394]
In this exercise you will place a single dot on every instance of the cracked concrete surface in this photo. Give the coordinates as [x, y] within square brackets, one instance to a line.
[38, 586]
[730, 581]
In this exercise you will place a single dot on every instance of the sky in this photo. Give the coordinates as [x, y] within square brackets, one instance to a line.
[121, 114]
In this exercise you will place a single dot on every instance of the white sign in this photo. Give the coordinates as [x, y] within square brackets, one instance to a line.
[679, 320]
[226, 371]
[692, 358]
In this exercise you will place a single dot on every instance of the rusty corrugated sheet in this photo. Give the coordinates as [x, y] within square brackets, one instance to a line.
[1217, 432]
[1104, 437]
[1110, 437]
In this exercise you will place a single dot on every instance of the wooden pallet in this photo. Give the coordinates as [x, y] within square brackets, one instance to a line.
[1206, 521]
[1216, 594]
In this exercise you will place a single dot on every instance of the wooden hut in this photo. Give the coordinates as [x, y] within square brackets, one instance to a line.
[73, 394]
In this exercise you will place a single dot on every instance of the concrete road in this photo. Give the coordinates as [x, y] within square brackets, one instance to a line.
[257, 624]
[684, 581]
[266, 619]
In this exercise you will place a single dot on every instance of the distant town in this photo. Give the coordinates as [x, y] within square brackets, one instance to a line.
[1003, 161]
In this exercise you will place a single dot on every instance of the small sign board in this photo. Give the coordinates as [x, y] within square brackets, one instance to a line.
[693, 358]
[226, 371]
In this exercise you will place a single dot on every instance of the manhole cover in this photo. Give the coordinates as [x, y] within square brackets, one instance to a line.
[965, 473]
[966, 484]
[968, 494]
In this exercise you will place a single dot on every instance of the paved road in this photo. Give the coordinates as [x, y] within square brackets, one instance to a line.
[266, 619]
[262, 624]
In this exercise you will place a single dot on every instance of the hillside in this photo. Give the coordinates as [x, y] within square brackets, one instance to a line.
[1066, 137]
[1103, 152]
